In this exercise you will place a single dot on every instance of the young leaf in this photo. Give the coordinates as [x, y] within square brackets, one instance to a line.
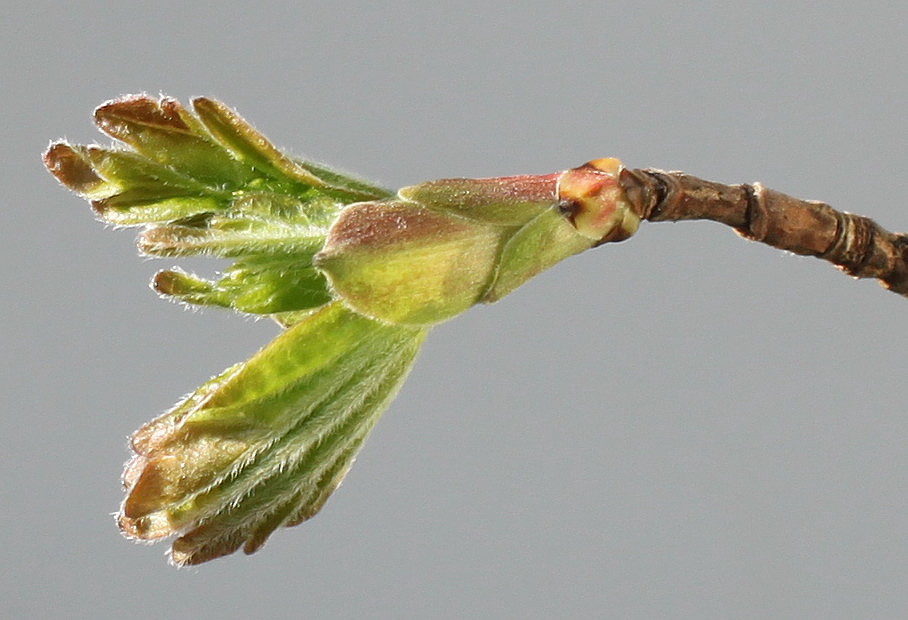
[204, 182]
[164, 131]
[257, 285]
[249, 146]
[264, 444]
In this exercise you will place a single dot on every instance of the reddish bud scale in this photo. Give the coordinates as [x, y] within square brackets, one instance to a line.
[592, 199]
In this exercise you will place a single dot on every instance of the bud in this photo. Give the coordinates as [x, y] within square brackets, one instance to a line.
[594, 201]
[352, 272]
[446, 245]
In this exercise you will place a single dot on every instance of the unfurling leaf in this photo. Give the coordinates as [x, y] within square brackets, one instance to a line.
[266, 442]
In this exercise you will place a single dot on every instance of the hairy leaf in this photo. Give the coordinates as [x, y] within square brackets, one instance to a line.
[266, 442]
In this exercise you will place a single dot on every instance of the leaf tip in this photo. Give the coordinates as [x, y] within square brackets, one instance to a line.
[119, 117]
[69, 166]
[170, 282]
[208, 107]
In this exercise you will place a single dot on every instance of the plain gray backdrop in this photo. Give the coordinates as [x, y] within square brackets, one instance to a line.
[684, 425]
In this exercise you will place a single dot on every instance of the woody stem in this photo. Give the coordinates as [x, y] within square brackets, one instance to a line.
[857, 245]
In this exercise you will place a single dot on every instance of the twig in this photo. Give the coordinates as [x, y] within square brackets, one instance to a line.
[855, 244]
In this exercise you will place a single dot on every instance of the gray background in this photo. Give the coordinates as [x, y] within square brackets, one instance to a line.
[683, 425]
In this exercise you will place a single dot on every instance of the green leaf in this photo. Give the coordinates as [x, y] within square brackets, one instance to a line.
[264, 444]
[205, 182]
[258, 285]
[180, 164]
[164, 131]
[128, 189]
[350, 186]
[248, 145]
[232, 236]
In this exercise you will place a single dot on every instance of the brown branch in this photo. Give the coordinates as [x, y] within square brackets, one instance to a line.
[857, 245]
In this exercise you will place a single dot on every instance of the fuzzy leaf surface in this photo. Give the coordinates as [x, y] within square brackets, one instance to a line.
[265, 443]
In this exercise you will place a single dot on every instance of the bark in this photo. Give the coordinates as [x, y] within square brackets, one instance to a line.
[857, 245]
